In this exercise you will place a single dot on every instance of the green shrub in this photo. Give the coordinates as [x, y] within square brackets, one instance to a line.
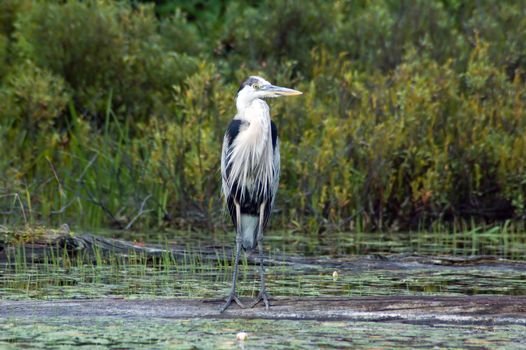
[101, 48]
[273, 32]
[9, 9]
[34, 99]
[412, 113]
[418, 145]
[30, 130]
[79, 41]
[392, 28]
[3, 56]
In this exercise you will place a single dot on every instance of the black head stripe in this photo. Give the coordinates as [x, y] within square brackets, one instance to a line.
[249, 81]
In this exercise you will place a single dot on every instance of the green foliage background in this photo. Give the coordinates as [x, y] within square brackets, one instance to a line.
[113, 113]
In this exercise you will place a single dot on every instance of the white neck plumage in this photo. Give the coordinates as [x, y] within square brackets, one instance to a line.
[257, 133]
[253, 145]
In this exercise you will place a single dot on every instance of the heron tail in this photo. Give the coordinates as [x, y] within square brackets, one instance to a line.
[249, 227]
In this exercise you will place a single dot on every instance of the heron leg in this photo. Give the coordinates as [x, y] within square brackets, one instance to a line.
[233, 295]
[263, 295]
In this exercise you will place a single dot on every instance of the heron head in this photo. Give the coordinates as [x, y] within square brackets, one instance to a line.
[256, 87]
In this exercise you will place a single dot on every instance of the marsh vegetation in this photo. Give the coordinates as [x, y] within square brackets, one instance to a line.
[413, 115]
[403, 168]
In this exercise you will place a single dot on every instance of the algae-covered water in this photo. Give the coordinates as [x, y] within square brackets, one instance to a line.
[119, 333]
[343, 265]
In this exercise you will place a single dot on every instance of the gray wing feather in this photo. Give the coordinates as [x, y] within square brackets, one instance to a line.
[277, 168]
[225, 189]
[274, 185]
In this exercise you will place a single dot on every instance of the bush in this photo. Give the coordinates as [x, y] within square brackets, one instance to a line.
[422, 144]
[3, 56]
[33, 100]
[102, 49]
[413, 112]
[9, 9]
[273, 32]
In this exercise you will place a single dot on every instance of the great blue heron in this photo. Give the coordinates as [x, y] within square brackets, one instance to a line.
[250, 171]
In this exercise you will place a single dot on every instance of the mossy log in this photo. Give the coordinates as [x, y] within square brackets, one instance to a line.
[488, 310]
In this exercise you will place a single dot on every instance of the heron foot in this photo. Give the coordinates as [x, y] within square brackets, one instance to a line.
[232, 298]
[262, 296]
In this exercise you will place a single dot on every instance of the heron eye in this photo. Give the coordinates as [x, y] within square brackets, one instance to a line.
[255, 86]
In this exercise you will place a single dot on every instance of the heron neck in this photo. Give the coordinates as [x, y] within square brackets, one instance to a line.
[256, 110]
[253, 146]
[255, 137]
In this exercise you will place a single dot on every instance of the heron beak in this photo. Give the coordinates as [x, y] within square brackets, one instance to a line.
[280, 91]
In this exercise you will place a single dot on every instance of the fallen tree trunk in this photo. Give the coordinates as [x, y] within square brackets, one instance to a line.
[490, 310]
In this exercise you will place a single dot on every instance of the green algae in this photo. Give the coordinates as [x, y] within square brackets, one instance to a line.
[103, 333]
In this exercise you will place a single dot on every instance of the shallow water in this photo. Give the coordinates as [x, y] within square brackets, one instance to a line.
[388, 266]
[357, 276]
[302, 266]
[500, 243]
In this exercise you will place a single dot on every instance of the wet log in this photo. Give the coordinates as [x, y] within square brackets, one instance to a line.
[463, 310]
[62, 242]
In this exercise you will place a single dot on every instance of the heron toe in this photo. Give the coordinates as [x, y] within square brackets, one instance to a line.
[232, 297]
[262, 296]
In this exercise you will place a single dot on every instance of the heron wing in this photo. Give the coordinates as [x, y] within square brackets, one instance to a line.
[275, 181]
[229, 138]
[230, 135]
